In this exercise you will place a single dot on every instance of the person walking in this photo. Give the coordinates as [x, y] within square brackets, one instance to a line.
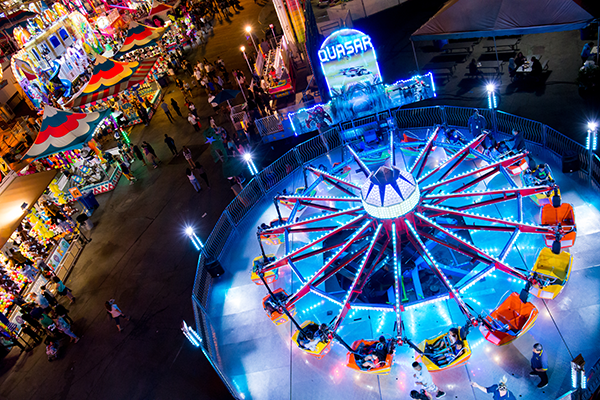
[423, 380]
[150, 154]
[187, 153]
[539, 365]
[202, 174]
[171, 144]
[141, 112]
[63, 326]
[127, 172]
[193, 180]
[192, 120]
[176, 107]
[138, 154]
[499, 391]
[115, 312]
[165, 108]
[62, 311]
[62, 289]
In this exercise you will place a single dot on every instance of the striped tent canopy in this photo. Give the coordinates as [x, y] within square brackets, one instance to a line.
[111, 77]
[158, 8]
[62, 131]
[138, 37]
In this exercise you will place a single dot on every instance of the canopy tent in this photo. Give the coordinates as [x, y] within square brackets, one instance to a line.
[483, 18]
[159, 8]
[18, 198]
[138, 37]
[63, 130]
[111, 77]
[492, 18]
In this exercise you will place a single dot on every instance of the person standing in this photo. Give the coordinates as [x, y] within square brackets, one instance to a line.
[187, 153]
[499, 391]
[202, 174]
[63, 326]
[476, 123]
[192, 120]
[141, 111]
[165, 108]
[539, 365]
[63, 290]
[586, 52]
[171, 144]
[49, 296]
[176, 107]
[423, 380]
[138, 154]
[193, 180]
[115, 312]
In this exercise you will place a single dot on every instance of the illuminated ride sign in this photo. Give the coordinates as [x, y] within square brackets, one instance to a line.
[348, 59]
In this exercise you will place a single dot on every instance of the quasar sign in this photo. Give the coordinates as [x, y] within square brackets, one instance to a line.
[348, 58]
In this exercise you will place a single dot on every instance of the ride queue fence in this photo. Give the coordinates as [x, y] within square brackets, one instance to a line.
[539, 138]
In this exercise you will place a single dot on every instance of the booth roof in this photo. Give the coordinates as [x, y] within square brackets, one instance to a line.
[137, 77]
[24, 189]
[63, 130]
[484, 18]
[139, 36]
[158, 8]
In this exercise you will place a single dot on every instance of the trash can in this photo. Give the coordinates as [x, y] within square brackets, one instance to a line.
[89, 200]
[85, 222]
[162, 81]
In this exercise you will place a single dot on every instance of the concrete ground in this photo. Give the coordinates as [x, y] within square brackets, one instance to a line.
[140, 257]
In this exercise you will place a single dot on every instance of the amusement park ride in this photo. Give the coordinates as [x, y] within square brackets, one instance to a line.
[410, 211]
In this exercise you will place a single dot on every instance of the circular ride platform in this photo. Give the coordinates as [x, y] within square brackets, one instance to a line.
[432, 236]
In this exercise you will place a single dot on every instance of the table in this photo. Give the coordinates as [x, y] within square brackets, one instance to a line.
[450, 66]
[491, 65]
[450, 47]
[526, 68]
[508, 42]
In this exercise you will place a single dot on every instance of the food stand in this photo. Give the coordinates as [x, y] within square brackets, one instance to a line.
[277, 73]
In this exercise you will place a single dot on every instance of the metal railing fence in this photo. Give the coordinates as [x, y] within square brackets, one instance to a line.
[538, 136]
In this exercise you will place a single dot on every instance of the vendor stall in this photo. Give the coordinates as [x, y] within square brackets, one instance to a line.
[123, 87]
[279, 78]
[33, 228]
[141, 42]
[56, 52]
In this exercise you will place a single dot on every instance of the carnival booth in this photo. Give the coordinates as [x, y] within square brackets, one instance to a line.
[140, 43]
[56, 51]
[66, 142]
[277, 72]
[121, 86]
[33, 228]
[157, 15]
[109, 23]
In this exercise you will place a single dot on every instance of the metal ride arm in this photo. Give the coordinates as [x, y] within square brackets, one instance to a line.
[392, 148]
[521, 226]
[524, 191]
[498, 264]
[305, 288]
[424, 153]
[397, 277]
[460, 155]
[363, 167]
[331, 177]
[281, 228]
[504, 162]
[422, 249]
[351, 290]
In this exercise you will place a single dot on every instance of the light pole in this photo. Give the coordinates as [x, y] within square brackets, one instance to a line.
[490, 88]
[249, 31]
[251, 166]
[243, 49]
[194, 238]
[591, 145]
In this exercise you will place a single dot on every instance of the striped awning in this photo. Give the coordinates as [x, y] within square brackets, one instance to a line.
[111, 85]
[138, 37]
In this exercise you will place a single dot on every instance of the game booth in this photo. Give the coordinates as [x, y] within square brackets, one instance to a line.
[35, 226]
[56, 52]
[277, 71]
[140, 43]
[157, 16]
[121, 86]
[66, 142]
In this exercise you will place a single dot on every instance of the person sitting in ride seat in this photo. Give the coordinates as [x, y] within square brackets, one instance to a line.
[445, 341]
[456, 351]
[310, 336]
[376, 353]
